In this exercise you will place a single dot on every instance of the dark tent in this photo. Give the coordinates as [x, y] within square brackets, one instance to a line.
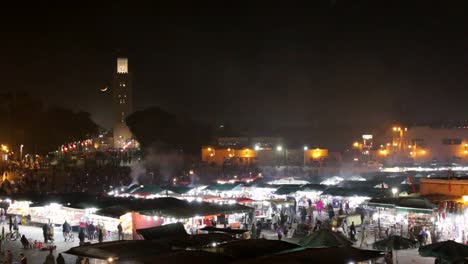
[122, 250]
[320, 256]
[252, 248]
[171, 207]
[197, 241]
[224, 230]
[396, 243]
[188, 256]
[446, 250]
[165, 231]
[325, 238]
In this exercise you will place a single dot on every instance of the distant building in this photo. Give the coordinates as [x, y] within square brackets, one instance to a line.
[440, 144]
[443, 187]
[244, 157]
[122, 98]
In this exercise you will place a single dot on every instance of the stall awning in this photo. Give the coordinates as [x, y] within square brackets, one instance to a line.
[172, 207]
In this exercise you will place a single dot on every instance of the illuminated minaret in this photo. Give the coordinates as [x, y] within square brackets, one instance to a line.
[122, 101]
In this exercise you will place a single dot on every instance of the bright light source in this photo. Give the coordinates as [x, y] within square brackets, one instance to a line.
[257, 147]
[394, 191]
[279, 148]
[209, 149]
[306, 148]
[356, 144]
[110, 259]
[465, 198]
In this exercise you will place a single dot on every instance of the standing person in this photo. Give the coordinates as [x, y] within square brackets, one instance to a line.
[91, 231]
[81, 236]
[120, 231]
[60, 259]
[23, 259]
[66, 228]
[50, 259]
[319, 206]
[11, 223]
[423, 237]
[45, 233]
[274, 221]
[310, 213]
[347, 208]
[259, 228]
[100, 236]
[428, 237]
[51, 233]
[364, 236]
[352, 231]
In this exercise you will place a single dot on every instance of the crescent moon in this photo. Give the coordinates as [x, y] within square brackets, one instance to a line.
[104, 89]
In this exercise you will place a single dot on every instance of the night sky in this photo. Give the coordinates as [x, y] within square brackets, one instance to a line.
[326, 65]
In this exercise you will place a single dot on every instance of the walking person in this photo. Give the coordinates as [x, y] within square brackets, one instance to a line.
[66, 228]
[60, 259]
[81, 237]
[280, 233]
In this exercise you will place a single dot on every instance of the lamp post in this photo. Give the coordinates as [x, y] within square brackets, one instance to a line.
[305, 154]
[21, 153]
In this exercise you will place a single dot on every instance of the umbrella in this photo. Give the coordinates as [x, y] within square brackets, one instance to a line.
[396, 243]
[447, 250]
[325, 238]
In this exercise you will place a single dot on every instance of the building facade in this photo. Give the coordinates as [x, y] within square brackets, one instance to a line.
[122, 98]
[438, 144]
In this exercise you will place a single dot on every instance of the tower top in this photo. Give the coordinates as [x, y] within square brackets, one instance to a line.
[122, 65]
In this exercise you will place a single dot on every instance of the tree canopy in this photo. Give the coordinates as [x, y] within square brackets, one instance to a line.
[156, 126]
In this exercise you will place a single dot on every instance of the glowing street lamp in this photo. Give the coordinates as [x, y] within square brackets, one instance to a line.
[279, 148]
[306, 148]
[21, 152]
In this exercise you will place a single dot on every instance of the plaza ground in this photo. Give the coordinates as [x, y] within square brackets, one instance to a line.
[36, 256]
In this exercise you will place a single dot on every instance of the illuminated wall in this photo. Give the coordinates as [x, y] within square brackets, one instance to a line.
[438, 186]
[220, 155]
[442, 144]
[316, 154]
